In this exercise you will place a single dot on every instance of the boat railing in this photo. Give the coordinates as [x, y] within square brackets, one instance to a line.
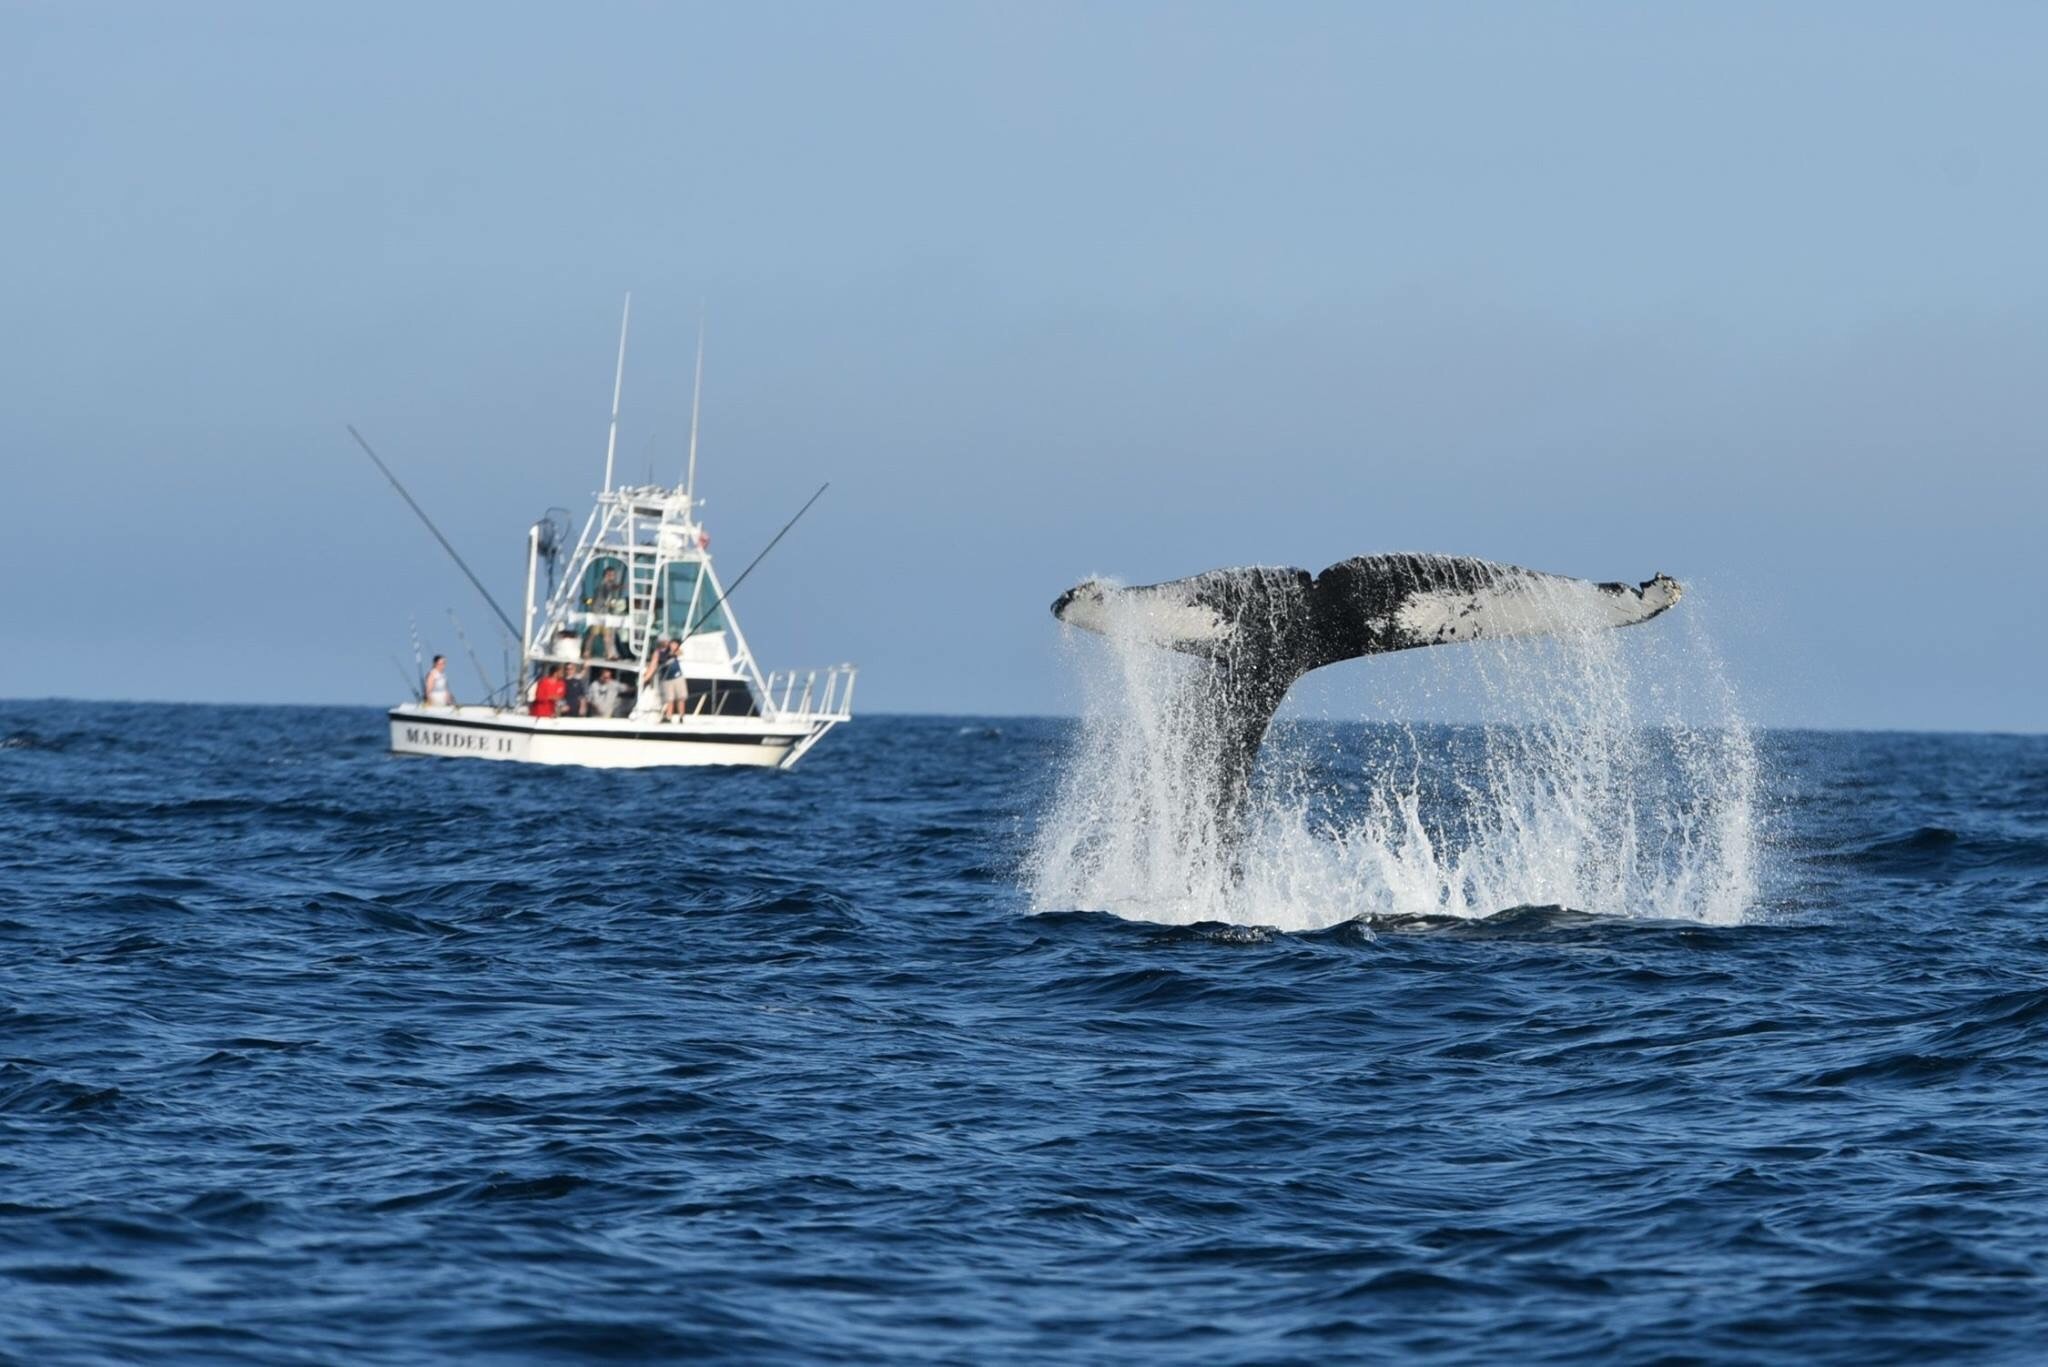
[819, 694]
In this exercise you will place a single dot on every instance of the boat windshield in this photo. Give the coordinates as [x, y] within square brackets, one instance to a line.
[690, 601]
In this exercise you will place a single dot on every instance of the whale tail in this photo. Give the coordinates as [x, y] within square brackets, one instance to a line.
[1261, 628]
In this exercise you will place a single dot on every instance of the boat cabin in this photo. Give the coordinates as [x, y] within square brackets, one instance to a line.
[641, 574]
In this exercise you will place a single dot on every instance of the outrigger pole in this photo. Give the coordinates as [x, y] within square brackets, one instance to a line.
[422, 512]
[706, 615]
[611, 444]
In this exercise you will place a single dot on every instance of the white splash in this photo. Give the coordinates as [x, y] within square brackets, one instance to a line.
[1606, 771]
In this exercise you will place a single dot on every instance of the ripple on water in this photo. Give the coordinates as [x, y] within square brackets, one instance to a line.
[358, 1059]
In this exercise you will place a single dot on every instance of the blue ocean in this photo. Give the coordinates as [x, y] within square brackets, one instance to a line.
[1535, 1041]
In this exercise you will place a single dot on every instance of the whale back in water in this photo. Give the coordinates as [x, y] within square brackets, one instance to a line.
[1261, 628]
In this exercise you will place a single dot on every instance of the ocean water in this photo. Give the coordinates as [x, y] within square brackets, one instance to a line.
[1516, 1042]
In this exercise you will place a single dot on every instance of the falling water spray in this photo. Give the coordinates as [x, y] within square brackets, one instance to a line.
[1601, 771]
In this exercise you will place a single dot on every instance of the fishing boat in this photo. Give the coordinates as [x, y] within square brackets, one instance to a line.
[637, 615]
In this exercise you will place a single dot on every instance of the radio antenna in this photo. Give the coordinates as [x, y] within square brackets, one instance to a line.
[611, 444]
[696, 400]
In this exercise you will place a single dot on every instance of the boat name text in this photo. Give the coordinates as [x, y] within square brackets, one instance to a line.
[475, 742]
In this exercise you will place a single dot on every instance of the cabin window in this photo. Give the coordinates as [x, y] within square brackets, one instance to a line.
[689, 602]
[604, 585]
[722, 699]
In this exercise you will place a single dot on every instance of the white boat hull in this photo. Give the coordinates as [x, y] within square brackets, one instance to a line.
[489, 733]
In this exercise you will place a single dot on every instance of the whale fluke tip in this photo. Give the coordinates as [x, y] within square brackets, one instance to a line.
[1082, 605]
[1661, 591]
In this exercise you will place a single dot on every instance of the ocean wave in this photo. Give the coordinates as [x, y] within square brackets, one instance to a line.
[450, 1060]
[1935, 851]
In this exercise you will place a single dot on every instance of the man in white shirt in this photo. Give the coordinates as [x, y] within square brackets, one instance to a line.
[604, 695]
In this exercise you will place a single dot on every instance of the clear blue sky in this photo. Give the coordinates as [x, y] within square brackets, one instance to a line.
[1756, 295]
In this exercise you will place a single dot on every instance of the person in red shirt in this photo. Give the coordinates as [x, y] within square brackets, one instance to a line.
[547, 692]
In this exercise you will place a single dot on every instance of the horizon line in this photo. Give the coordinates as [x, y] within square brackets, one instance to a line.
[1802, 727]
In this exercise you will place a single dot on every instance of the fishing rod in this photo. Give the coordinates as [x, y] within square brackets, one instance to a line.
[412, 684]
[422, 512]
[412, 624]
[706, 616]
[491, 689]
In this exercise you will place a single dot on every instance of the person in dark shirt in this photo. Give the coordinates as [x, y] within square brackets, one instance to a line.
[666, 668]
[575, 692]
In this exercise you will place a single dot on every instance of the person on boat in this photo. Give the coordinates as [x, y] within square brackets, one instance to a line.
[547, 692]
[436, 691]
[604, 694]
[575, 692]
[600, 640]
[667, 668]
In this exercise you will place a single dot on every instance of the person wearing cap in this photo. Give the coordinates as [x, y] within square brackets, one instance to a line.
[667, 668]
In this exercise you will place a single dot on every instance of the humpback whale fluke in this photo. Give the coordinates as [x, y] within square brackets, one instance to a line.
[1262, 628]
